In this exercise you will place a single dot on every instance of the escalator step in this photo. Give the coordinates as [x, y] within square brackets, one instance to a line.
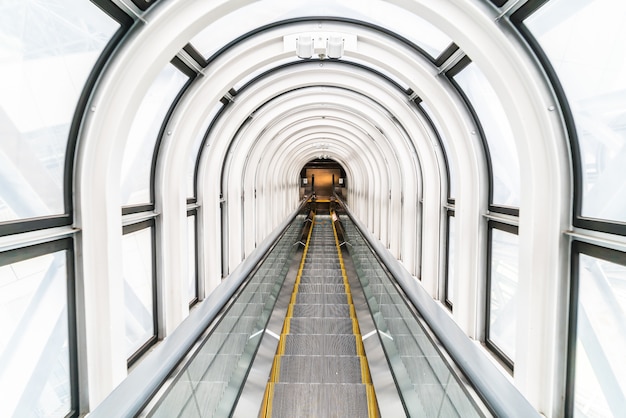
[319, 400]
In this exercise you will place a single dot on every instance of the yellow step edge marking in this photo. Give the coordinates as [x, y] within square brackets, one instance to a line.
[372, 406]
[268, 397]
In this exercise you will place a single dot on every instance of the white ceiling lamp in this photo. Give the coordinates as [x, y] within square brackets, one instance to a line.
[304, 46]
[334, 46]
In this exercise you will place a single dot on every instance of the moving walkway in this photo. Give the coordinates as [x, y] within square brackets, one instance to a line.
[311, 334]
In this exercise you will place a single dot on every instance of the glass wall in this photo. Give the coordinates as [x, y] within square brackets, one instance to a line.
[598, 372]
[139, 287]
[144, 134]
[502, 290]
[584, 42]
[37, 338]
[500, 145]
[48, 50]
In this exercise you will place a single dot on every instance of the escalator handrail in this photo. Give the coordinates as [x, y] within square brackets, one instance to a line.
[134, 392]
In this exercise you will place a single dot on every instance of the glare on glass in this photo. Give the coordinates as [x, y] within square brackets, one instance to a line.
[138, 288]
[143, 136]
[584, 42]
[34, 347]
[498, 134]
[48, 49]
[503, 291]
[600, 373]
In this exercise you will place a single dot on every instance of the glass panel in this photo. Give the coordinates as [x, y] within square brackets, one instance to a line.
[34, 344]
[210, 382]
[138, 289]
[446, 149]
[195, 150]
[503, 290]
[412, 27]
[591, 65]
[499, 137]
[600, 382]
[48, 49]
[137, 162]
[192, 279]
[427, 384]
[451, 255]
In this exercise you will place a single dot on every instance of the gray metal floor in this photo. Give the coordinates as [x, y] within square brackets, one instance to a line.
[320, 369]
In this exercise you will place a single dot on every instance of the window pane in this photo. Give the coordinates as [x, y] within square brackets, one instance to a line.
[137, 162]
[138, 289]
[591, 65]
[600, 338]
[195, 150]
[192, 279]
[48, 49]
[34, 344]
[446, 149]
[502, 291]
[450, 266]
[499, 137]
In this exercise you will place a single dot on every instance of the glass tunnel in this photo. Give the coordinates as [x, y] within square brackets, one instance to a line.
[297, 208]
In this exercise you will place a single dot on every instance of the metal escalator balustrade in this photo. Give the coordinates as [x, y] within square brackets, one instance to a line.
[426, 382]
[210, 383]
[320, 367]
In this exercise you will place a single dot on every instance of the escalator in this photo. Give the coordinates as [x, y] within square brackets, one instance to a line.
[296, 338]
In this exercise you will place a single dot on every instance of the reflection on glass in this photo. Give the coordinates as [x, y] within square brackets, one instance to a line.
[48, 49]
[426, 383]
[34, 348]
[138, 289]
[498, 134]
[194, 154]
[600, 373]
[192, 278]
[503, 290]
[450, 274]
[591, 65]
[412, 27]
[446, 148]
[137, 162]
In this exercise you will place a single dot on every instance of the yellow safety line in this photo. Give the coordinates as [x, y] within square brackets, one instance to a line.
[266, 407]
[372, 406]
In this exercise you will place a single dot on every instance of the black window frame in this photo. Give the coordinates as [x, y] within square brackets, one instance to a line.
[32, 251]
[511, 229]
[129, 229]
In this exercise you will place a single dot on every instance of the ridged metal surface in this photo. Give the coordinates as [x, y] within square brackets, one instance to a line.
[319, 370]
[319, 400]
